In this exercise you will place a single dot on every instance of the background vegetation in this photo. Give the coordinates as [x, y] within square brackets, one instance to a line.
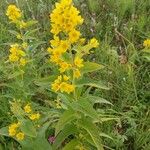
[121, 27]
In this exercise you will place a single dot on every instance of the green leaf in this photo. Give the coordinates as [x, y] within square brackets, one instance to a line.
[28, 128]
[66, 99]
[96, 99]
[146, 50]
[42, 129]
[109, 119]
[90, 67]
[106, 136]
[66, 118]
[147, 58]
[13, 32]
[39, 142]
[71, 145]
[4, 131]
[31, 32]
[86, 108]
[88, 82]
[93, 5]
[68, 130]
[31, 23]
[44, 82]
[92, 131]
[16, 74]
[35, 144]
[35, 45]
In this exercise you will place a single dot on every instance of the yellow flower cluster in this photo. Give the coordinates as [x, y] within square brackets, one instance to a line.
[62, 84]
[65, 19]
[14, 131]
[32, 116]
[147, 43]
[17, 54]
[59, 48]
[15, 15]
[93, 43]
[27, 108]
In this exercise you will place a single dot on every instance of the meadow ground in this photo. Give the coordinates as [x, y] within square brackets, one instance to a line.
[120, 26]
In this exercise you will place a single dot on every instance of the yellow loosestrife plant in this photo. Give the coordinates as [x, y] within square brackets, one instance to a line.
[73, 113]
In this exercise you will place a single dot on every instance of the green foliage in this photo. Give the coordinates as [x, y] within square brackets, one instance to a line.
[111, 108]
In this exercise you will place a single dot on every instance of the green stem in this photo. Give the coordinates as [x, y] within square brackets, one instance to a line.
[73, 79]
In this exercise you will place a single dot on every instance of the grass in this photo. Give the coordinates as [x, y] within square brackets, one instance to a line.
[121, 27]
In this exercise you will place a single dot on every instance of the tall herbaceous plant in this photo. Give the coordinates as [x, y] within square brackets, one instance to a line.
[68, 47]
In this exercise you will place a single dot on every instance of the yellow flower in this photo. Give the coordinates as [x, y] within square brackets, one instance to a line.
[27, 108]
[20, 136]
[59, 79]
[78, 62]
[82, 41]
[94, 43]
[13, 13]
[61, 84]
[64, 66]
[24, 45]
[146, 43]
[65, 87]
[66, 78]
[22, 24]
[55, 42]
[34, 116]
[12, 129]
[74, 36]
[70, 89]
[66, 2]
[64, 44]
[55, 29]
[13, 58]
[55, 59]
[64, 17]
[16, 54]
[19, 36]
[14, 48]
[57, 52]
[12, 132]
[77, 73]
[23, 61]
[50, 50]
[55, 86]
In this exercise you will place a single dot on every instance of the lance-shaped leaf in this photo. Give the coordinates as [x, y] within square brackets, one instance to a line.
[69, 129]
[67, 117]
[71, 145]
[86, 108]
[28, 128]
[90, 67]
[96, 99]
[92, 130]
[88, 82]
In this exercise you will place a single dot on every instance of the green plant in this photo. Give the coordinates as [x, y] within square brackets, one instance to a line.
[79, 120]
